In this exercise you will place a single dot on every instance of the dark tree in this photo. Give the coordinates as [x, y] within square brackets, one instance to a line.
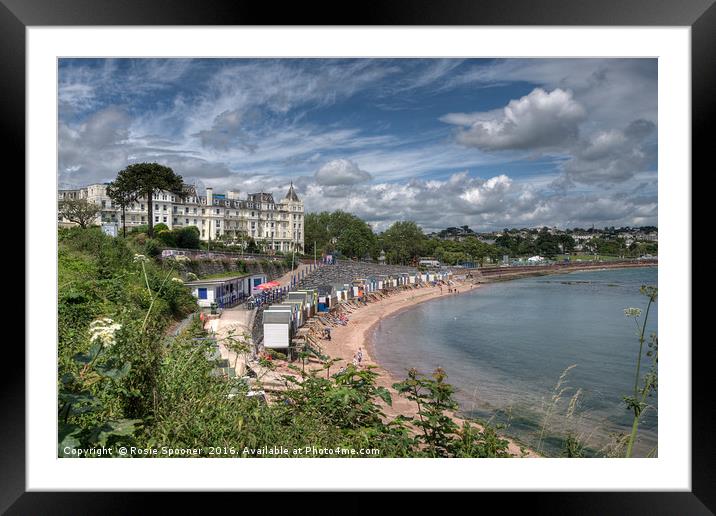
[145, 179]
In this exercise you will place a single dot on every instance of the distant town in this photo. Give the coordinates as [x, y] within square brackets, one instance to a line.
[622, 242]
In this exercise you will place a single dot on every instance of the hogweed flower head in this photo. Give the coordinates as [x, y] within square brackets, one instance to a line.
[632, 312]
[178, 280]
[140, 258]
[103, 330]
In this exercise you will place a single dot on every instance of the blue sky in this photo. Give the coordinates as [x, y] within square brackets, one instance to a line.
[490, 143]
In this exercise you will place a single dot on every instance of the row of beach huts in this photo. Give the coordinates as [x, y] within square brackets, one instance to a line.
[282, 321]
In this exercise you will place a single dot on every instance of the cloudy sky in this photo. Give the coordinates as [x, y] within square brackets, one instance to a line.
[485, 142]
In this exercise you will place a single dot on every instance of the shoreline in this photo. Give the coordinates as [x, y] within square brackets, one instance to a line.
[346, 340]
[363, 323]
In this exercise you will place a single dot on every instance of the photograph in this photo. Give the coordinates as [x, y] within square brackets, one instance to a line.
[359, 257]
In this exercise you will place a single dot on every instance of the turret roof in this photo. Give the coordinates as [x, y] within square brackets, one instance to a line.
[291, 194]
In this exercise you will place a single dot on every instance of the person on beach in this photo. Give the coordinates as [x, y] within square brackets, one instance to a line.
[359, 356]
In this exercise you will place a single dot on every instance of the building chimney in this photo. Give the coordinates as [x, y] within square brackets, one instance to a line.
[233, 195]
[209, 196]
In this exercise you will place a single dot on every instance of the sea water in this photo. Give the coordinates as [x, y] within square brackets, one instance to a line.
[505, 345]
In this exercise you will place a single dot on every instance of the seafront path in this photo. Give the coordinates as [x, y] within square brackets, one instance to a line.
[237, 321]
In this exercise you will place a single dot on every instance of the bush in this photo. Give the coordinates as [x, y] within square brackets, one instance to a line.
[187, 237]
[167, 238]
[152, 247]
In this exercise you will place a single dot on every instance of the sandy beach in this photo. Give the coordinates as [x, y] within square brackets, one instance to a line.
[346, 340]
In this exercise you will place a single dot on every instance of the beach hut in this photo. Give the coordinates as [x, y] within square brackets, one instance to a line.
[307, 300]
[287, 307]
[300, 311]
[306, 297]
[277, 329]
[225, 292]
[326, 298]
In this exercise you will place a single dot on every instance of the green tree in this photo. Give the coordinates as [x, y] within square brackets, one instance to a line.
[144, 180]
[80, 211]
[403, 242]
[338, 231]
[187, 238]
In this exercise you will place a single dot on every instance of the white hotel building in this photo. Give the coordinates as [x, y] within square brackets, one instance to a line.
[279, 225]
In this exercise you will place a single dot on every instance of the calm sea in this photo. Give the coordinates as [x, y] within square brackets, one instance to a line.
[505, 345]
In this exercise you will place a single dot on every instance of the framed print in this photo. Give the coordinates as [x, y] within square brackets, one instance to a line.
[429, 238]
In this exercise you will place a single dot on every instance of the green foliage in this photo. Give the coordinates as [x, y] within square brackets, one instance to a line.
[84, 420]
[403, 242]
[645, 386]
[121, 384]
[439, 435]
[80, 211]
[187, 238]
[338, 231]
[153, 247]
[99, 278]
[160, 228]
[144, 180]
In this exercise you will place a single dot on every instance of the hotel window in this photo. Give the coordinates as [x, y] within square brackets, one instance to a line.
[141, 206]
[186, 221]
[217, 211]
[164, 219]
[156, 219]
[175, 220]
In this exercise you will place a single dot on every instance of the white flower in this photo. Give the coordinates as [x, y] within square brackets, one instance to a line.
[103, 330]
[632, 312]
[178, 280]
[140, 258]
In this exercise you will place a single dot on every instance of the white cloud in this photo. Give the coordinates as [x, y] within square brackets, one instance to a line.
[538, 120]
[341, 172]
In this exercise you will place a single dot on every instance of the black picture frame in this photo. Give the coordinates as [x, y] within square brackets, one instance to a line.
[16, 15]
